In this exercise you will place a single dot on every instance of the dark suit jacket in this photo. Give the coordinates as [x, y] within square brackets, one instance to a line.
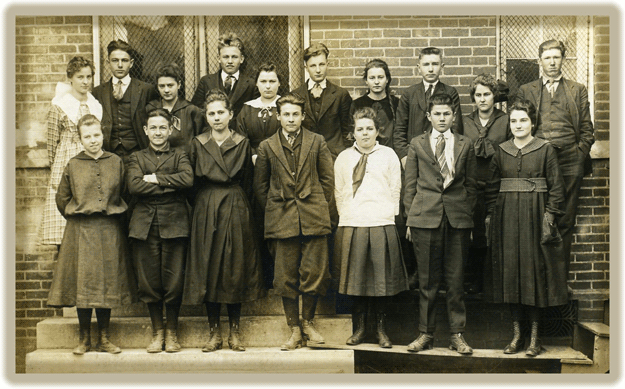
[334, 121]
[244, 90]
[424, 197]
[166, 200]
[411, 119]
[291, 202]
[140, 94]
[579, 108]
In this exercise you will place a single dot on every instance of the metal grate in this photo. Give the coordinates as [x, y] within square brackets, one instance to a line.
[521, 36]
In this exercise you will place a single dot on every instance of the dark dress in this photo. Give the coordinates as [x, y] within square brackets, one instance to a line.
[223, 264]
[385, 110]
[93, 268]
[189, 122]
[519, 268]
[257, 124]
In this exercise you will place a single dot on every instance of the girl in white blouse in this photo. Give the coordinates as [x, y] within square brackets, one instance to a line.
[367, 246]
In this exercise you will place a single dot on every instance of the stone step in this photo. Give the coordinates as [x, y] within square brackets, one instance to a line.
[136, 332]
[192, 360]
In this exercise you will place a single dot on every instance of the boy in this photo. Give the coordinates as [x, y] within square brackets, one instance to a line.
[123, 102]
[229, 78]
[294, 183]
[327, 105]
[411, 117]
[159, 226]
[440, 193]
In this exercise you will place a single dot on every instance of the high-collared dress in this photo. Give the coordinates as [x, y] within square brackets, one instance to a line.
[188, 122]
[223, 264]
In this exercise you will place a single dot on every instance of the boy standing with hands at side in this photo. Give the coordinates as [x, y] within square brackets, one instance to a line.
[440, 194]
[294, 183]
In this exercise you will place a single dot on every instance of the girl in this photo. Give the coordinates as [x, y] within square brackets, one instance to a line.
[223, 264]
[71, 102]
[367, 243]
[92, 269]
[487, 127]
[524, 196]
[159, 226]
[187, 119]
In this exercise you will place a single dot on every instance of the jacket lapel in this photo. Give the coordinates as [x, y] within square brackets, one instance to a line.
[107, 95]
[421, 96]
[459, 144]
[239, 87]
[213, 150]
[305, 150]
[276, 147]
[134, 96]
[308, 106]
[327, 99]
[424, 142]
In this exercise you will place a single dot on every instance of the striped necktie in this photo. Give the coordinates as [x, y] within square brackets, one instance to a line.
[442, 161]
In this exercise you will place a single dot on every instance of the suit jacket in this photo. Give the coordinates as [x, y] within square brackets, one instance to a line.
[578, 105]
[411, 119]
[334, 120]
[140, 94]
[165, 199]
[297, 203]
[424, 197]
[244, 90]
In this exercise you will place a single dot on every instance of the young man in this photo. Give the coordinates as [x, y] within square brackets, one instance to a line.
[564, 121]
[294, 183]
[440, 193]
[411, 119]
[327, 105]
[123, 102]
[229, 78]
[159, 227]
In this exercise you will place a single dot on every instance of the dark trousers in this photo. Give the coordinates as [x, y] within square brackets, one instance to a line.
[440, 252]
[302, 265]
[159, 266]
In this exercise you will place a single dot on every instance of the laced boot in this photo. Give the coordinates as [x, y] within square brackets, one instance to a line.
[291, 311]
[214, 339]
[360, 320]
[534, 348]
[171, 333]
[234, 314]
[158, 333]
[311, 335]
[517, 342]
[104, 344]
[457, 342]
[425, 341]
[383, 339]
[84, 340]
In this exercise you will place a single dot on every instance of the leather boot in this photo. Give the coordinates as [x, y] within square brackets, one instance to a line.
[158, 333]
[383, 339]
[104, 344]
[171, 333]
[234, 314]
[295, 341]
[517, 342]
[311, 335]
[84, 322]
[534, 348]
[360, 320]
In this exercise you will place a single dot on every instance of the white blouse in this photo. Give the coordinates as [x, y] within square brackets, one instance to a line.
[377, 199]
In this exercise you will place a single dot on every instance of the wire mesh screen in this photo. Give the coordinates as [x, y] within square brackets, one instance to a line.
[277, 39]
[156, 40]
[521, 36]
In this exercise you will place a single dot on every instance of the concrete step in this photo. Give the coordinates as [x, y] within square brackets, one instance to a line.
[192, 360]
[136, 332]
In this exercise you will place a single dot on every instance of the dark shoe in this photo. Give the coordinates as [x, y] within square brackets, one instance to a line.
[359, 334]
[233, 339]
[214, 341]
[171, 341]
[458, 343]
[295, 340]
[158, 340]
[425, 341]
[104, 345]
[311, 335]
[535, 345]
[517, 342]
[413, 281]
[84, 343]
[383, 339]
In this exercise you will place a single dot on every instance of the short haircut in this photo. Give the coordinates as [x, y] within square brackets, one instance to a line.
[314, 50]
[169, 70]
[120, 45]
[230, 39]
[430, 51]
[485, 80]
[441, 99]
[217, 95]
[86, 120]
[159, 112]
[366, 113]
[526, 106]
[77, 64]
[268, 67]
[290, 98]
[551, 44]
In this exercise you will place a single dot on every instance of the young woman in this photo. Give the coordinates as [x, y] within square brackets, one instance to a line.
[92, 269]
[187, 119]
[525, 193]
[71, 102]
[367, 246]
[223, 264]
[487, 127]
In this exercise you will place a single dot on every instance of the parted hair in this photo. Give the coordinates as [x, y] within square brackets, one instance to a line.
[486, 80]
[290, 98]
[526, 106]
[230, 39]
[159, 112]
[429, 51]
[119, 45]
[217, 95]
[268, 67]
[552, 44]
[441, 99]
[78, 63]
[169, 70]
[315, 49]
[366, 113]
[86, 120]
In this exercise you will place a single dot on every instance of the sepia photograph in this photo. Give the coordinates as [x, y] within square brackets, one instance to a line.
[348, 189]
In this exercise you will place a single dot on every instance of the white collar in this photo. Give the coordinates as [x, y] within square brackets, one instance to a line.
[312, 83]
[71, 106]
[557, 79]
[286, 134]
[375, 147]
[435, 134]
[125, 81]
[224, 75]
[426, 84]
[256, 103]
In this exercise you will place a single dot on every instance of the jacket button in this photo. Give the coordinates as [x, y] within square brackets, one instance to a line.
[290, 185]
[293, 173]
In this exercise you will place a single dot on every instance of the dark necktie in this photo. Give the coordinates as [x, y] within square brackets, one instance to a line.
[117, 90]
[228, 83]
[291, 138]
[428, 95]
[550, 87]
[359, 172]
